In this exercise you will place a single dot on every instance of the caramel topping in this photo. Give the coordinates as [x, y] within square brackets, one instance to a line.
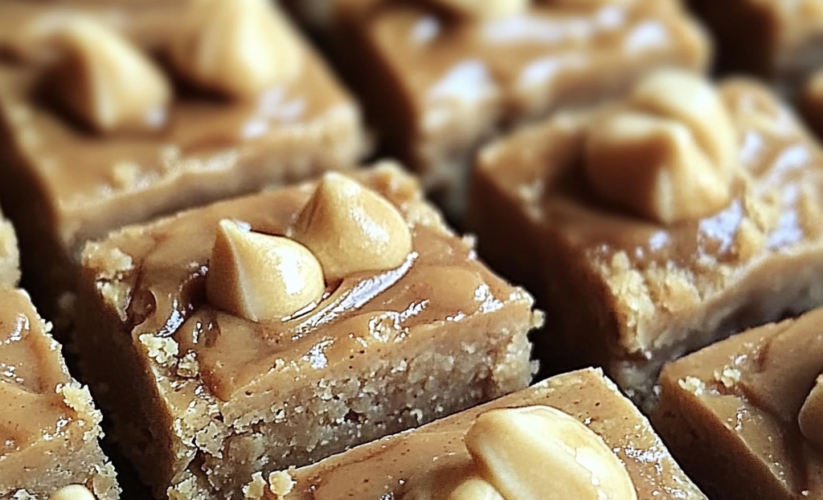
[238, 48]
[107, 83]
[351, 228]
[811, 414]
[668, 154]
[541, 453]
[72, 492]
[261, 277]
[484, 8]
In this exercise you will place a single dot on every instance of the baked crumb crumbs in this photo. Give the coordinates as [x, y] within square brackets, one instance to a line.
[162, 350]
[78, 398]
[256, 488]
[693, 385]
[280, 483]
[729, 376]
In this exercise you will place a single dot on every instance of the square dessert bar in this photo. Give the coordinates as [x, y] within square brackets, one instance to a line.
[222, 350]
[101, 139]
[403, 465]
[49, 428]
[656, 225]
[455, 81]
[776, 39]
[744, 415]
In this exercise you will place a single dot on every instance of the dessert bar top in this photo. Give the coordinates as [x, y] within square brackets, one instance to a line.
[45, 416]
[772, 207]
[385, 466]
[768, 382]
[154, 278]
[519, 61]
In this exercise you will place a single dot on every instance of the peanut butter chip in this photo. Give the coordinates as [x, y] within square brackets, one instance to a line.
[668, 155]
[351, 228]
[238, 48]
[261, 277]
[72, 492]
[811, 415]
[107, 83]
[484, 8]
[692, 100]
[540, 453]
[475, 488]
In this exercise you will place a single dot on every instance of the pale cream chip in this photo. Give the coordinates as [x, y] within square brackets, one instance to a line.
[668, 153]
[238, 48]
[692, 99]
[261, 277]
[351, 228]
[515, 449]
[653, 167]
[72, 492]
[107, 82]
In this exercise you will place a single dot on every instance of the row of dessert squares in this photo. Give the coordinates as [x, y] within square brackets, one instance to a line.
[257, 316]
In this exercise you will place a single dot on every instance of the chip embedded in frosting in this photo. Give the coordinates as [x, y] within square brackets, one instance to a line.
[351, 228]
[261, 277]
[668, 153]
[238, 48]
[106, 82]
[530, 453]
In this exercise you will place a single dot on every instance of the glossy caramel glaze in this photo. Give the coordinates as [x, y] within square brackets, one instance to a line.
[380, 469]
[162, 285]
[748, 390]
